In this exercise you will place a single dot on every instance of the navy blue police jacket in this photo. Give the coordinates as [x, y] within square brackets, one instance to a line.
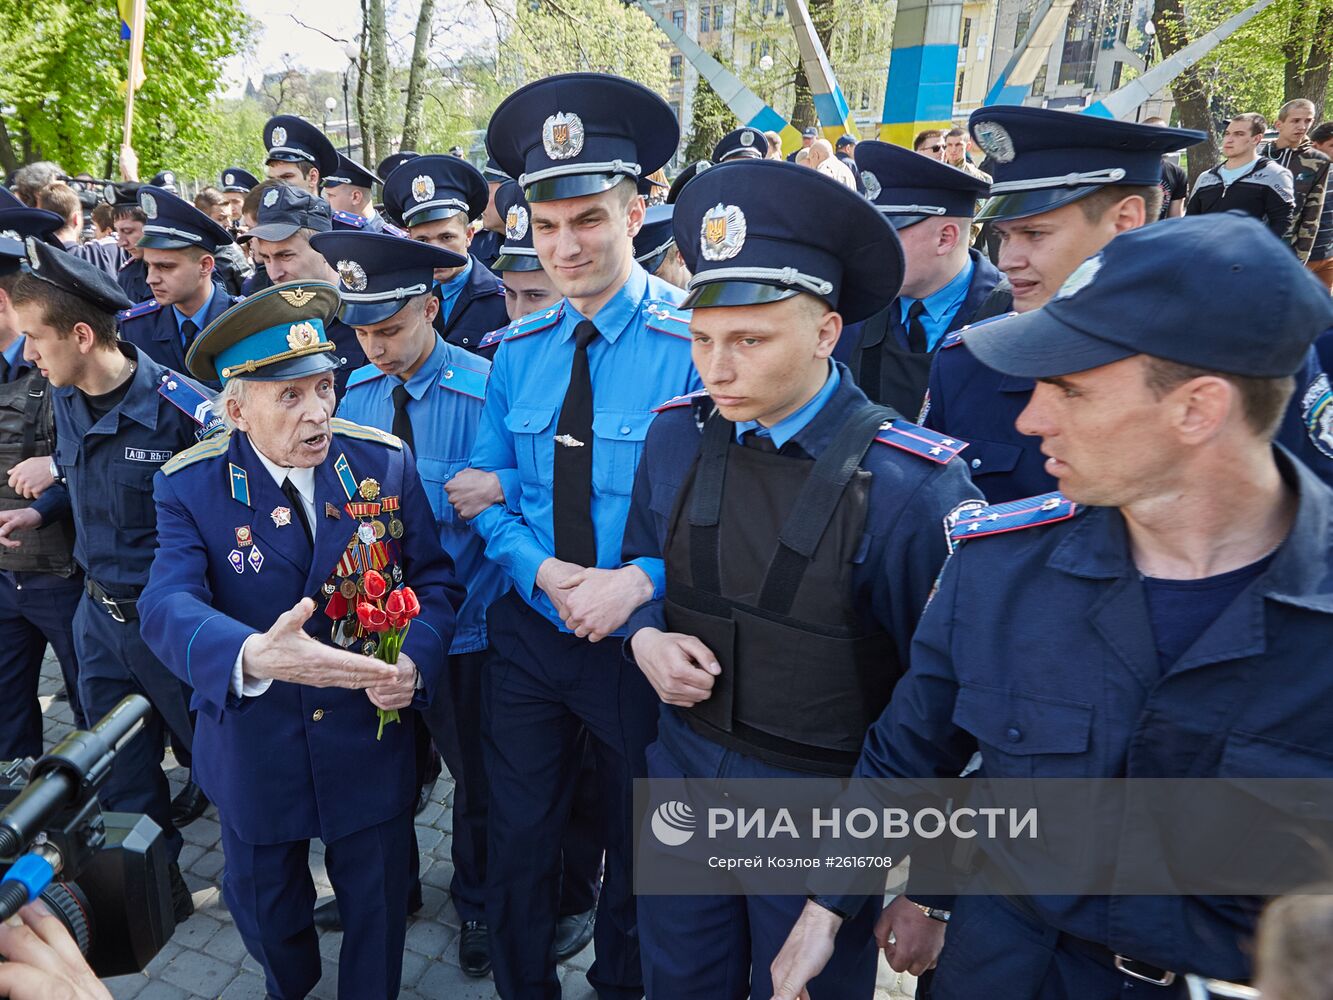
[979, 405]
[108, 467]
[479, 309]
[294, 762]
[153, 329]
[1067, 685]
[917, 480]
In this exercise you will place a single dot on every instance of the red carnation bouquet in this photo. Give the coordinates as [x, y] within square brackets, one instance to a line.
[388, 614]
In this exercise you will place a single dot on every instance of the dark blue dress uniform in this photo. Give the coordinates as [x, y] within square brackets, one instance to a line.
[133, 274]
[161, 332]
[890, 353]
[1221, 692]
[286, 763]
[569, 136]
[40, 584]
[283, 212]
[107, 461]
[427, 189]
[713, 499]
[351, 172]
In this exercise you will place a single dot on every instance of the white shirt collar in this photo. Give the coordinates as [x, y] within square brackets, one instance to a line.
[302, 479]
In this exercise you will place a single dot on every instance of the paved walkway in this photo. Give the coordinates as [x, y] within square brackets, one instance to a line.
[205, 959]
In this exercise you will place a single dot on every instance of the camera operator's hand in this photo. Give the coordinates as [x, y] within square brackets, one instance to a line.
[286, 653]
[42, 962]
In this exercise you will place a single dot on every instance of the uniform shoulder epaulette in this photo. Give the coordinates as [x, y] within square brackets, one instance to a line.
[393, 230]
[349, 219]
[920, 440]
[468, 381]
[666, 318]
[499, 287]
[995, 519]
[210, 448]
[366, 373]
[181, 393]
[525, 325]
[684, 400]
[140, 309]
[956, 338]
[363, 433]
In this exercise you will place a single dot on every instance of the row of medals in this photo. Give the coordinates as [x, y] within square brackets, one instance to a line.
[346, 631]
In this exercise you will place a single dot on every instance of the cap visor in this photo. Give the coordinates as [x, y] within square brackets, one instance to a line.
[1021, 204]
[369, 313]
[1036, 345]
[411, 218]
[311, 364]
[153, 242]
[735, 293]
[572, 186]
[516, 262]
[903, 221]
[274, 232]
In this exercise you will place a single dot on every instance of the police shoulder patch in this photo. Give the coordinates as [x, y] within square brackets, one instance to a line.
[663, 317]
[144, 308]
[996, 519]
[919, 440]
[364, 374]
[393, 230]
[211, 448]
[363, 433]
[348, 219]
[956, 338]
[183, 394]
[467, 381]
[536, 322]
[684, 400]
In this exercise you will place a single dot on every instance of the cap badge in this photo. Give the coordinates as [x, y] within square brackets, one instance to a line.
[873, 187]
[302, 335]
[109, 193]
[423, 188]
[723, 232]
[562, 135]
[516, 222]
[149, 206]
[353, 275]
[1081, 278]
[168, 177]
[228, 178]
[747, 138]
[270, 197]
[10, 234]
[296, 297]
[995, 141]
[279, 136]
[33, 260]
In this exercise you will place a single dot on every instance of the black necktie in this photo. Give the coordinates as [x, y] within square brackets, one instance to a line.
[760, 442]
[293, 496]
[4, 370]
[916, 333]
[188, 330]
[571, 499]
[402, 423]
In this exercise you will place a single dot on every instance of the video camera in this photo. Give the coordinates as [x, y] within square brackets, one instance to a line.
[104, 874]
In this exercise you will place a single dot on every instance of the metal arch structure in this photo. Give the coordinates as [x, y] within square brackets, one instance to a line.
[1014, 83]
[744, 103]
[923, 69]
[831, 108]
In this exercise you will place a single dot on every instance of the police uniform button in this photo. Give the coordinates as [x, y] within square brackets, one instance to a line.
[449, 372]
[624, 430]
[526, 422]
[1013, 734]
[976, 463]
[466, 341]
[319, 714]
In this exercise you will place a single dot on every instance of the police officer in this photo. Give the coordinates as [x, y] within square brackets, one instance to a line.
[436, 198]
[946, 285]
[736, 474]
[298, 154]
[119, 415]
[127, 220]
[485, 245]
[164, 179]
[287, 218]
[528, 288]
[744, 143]
[40, 584]
[295, 510]
[655, 247]
[235, 183]
[348, 192]
[178, 246]
[1193, 634]
[567, 409]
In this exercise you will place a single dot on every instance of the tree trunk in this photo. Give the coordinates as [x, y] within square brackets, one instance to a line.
[416, 79]
[1308, 75]
[362, 118]
[1189, 89]
[8, 161]
[378, 145]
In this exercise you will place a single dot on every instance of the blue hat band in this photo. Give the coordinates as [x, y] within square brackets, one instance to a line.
[272, 345]
[624, 167]
[453, 205]
[385, 295]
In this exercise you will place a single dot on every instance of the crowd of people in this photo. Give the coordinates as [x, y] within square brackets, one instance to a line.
[863, 461]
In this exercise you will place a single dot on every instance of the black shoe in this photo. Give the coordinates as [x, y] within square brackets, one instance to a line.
[573, 933]
[327, 917]
[423, 798]
[61, 695]
[474, 949]
[182, 903]
[188, 806]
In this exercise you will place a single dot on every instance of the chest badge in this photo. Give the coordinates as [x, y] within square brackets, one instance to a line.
[243, 536]
[282, 516]
[568, 441]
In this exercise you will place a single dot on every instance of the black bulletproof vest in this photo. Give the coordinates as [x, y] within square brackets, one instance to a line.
[759, 560]
[27, 430]
[886, 371]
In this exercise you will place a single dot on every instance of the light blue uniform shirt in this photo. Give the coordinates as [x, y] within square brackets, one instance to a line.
[14, 354]
[446, 400]
[792, 424]
[941, 306]
[641, 360]
[197, 316]
[449, 291]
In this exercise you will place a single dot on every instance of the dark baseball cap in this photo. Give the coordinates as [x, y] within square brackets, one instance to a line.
[285, 210]
[1186, 290]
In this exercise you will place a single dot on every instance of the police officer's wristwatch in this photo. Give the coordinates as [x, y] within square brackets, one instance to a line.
[934, 912]
[55, 473]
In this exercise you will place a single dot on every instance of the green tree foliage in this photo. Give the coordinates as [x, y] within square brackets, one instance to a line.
[63, 70]
[710, 120]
